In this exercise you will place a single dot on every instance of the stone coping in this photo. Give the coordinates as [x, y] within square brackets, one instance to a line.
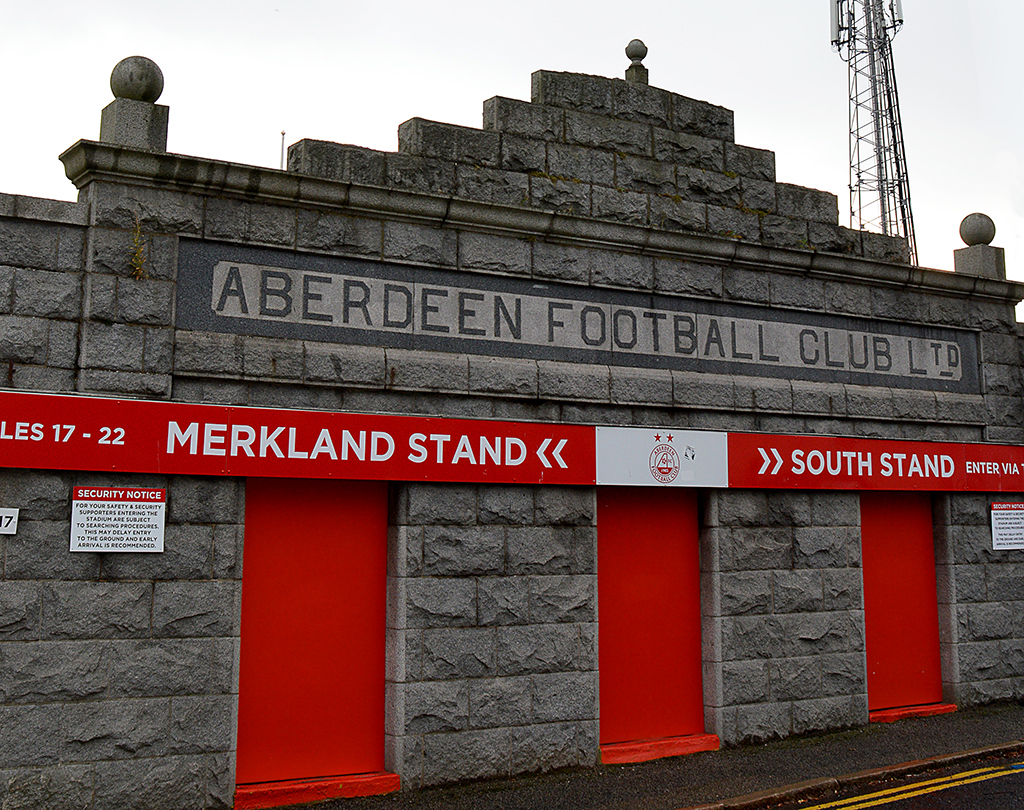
[90, 161]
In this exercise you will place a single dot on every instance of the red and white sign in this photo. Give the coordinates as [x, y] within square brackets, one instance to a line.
[645, 457]
[827, 462]
[88, 433]
[48, 431]
[118, 519]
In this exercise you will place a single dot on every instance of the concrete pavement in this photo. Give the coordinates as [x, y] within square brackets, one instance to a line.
[743, 777]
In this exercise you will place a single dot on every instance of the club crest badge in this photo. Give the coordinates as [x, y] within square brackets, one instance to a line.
[664, 463]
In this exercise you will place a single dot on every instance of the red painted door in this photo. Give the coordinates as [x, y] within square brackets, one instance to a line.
[311, 678]
[901, 616]
[648, 585]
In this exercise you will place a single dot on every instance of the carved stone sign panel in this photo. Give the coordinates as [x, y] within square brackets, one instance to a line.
[277, 293]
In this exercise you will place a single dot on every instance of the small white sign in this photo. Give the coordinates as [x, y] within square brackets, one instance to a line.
[1007, 526]
[650, 457]
[118, 519]
[8, 521]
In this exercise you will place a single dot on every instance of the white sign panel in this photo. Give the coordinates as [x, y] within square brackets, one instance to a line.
[1007, 525]
[652, 457]
[118, 519]
[8, 521]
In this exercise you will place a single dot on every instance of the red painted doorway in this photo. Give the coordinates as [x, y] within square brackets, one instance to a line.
[901, 617]
[311, 682]
[648, 576]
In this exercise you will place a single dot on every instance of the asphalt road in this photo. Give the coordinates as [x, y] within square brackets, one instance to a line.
[989, 784]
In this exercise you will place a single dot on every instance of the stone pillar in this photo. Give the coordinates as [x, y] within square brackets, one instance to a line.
[979, 258]
[492, 634]
[132, 119]
[636, 72]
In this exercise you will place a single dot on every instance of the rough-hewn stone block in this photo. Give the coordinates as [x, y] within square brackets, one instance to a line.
[749, 162]
[420, 174]
[337, 161]
[560, 195]
[492, 185]
[688, 150]
[701, 118]
[23, 340]
[572, 91]
[464, 652]
[465, 755]
[494, 254]
[433, 139]
[714, 188]
[501, 375]
[431, 602]
[155, 210]
[497, 702]
[573, 381]
[580, 164]
[673, 213]
[634, 101]
[563, 598]
[345, 364]
[418, 244]
[42, 294]
[337, 233]
[186, 609]
[431, 371]
[745, 592]
[807, 203]
[524, 118]
[503, 600]
[115, 729]
[564, 696]
[619, 205]
[463, 550]
[77, 610]
[641, 386]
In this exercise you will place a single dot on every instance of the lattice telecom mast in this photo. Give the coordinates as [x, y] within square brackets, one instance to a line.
[879, 186]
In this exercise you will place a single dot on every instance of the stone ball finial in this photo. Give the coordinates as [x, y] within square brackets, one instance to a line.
[977, 229]
[636, 51]
[137, 78]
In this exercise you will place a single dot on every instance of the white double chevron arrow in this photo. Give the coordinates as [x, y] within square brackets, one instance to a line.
[554, 453]
[767, 460]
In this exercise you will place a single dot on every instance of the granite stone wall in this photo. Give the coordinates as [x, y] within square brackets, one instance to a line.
[119, 672]
[981, 603]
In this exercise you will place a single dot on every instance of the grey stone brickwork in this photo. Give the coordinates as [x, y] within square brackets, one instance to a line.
[118, 672]
[783, 613]
[492, 631]
[981, 604]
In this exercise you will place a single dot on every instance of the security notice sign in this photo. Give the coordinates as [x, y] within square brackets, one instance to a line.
[117, 519]
[1007, 525]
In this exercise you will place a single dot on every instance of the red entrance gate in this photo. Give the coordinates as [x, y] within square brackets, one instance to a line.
[652, 700]
[311, 683]
[901, 618]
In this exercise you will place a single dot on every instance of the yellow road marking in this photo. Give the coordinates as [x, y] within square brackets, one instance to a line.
[916, 789]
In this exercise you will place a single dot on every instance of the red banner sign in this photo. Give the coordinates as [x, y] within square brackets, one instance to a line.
[48, 431]
[826, 462]
[86, 433]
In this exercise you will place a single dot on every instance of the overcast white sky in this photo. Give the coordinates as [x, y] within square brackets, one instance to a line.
[236, 74]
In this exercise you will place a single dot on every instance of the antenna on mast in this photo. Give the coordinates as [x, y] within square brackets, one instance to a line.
[862, 31]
